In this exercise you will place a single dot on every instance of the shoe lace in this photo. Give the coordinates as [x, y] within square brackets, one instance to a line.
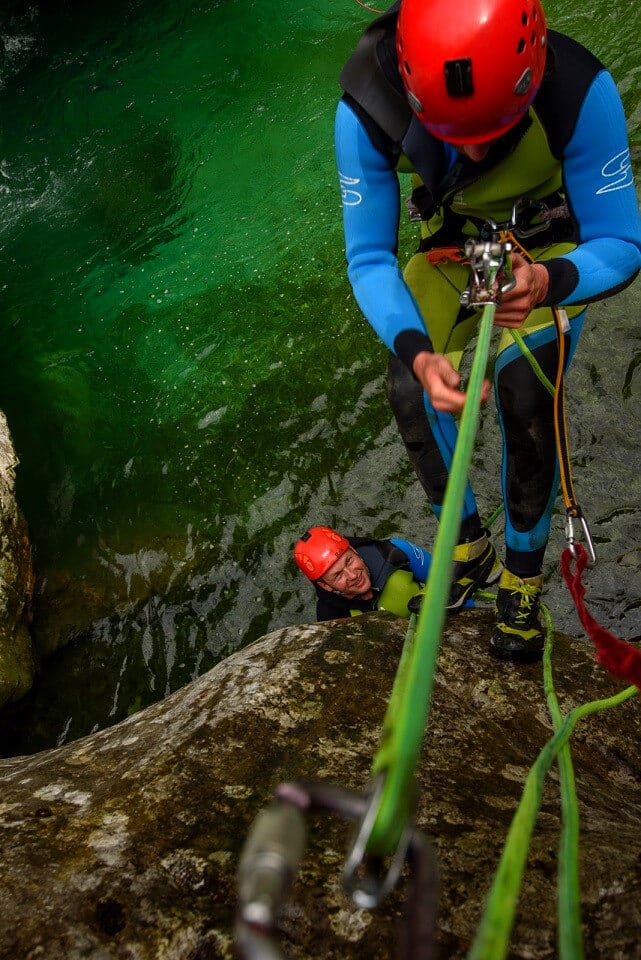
[527, 594]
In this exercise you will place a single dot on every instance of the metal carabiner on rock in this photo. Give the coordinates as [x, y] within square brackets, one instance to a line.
[363, 879]
[273, 852]
[270, 862]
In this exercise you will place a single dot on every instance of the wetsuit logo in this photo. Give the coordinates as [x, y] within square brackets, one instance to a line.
[618, 173]
[349, 196]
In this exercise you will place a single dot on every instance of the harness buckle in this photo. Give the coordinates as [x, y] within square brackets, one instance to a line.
[569, 536]
[532, 207]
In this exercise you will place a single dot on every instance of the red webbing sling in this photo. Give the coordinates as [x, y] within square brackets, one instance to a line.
[620, 658]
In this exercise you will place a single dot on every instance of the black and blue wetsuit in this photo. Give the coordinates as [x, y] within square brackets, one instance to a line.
[569, 153]
[382, 558]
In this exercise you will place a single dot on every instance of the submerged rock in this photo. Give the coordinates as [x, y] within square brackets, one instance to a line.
[16, 581]
[125, 844]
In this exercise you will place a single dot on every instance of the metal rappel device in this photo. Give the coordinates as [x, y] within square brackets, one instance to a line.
[490, 274]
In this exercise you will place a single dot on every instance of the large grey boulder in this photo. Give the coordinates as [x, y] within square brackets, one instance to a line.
[125, 844]
[16, 581]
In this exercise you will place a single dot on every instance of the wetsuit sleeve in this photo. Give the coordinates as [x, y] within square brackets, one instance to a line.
[599, 186]
[419, 559]
[371, 209]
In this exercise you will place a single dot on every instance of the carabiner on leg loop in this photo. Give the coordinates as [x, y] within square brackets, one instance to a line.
[571, 539]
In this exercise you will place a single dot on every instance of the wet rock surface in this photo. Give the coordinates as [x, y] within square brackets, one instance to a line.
[16, 581]
[125, 844]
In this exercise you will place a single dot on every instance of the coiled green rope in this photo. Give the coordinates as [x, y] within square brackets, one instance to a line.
[493, 935]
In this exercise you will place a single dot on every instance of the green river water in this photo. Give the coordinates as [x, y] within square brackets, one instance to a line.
[186, 376]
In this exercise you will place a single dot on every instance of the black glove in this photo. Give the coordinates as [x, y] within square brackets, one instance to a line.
[414, 605]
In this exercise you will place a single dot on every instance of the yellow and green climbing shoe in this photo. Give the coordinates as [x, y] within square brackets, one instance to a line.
[517, 633]
[476, 565]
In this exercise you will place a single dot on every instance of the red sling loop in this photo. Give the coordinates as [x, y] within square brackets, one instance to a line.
[619, 657]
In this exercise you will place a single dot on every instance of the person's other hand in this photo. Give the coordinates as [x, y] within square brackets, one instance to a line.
[441, 382]
[532, 281]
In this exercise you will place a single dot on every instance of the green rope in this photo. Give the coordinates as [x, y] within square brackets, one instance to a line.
[493, 935]
[407, 712]
[531, 359]
[496, 513]
[569, 933]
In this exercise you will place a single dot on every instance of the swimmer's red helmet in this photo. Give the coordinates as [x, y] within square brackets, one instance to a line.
[317, 550]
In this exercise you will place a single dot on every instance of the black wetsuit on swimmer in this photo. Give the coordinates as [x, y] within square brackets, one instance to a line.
[571, 152]
[398, 570]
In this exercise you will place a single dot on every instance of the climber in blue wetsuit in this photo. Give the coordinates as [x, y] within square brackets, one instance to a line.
[352, 575]
[500, 120]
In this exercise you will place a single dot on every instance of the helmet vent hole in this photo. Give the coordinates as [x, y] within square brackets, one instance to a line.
[533, 38]
[408, 69]
[524, 18]
[521, 46]
[458, 77]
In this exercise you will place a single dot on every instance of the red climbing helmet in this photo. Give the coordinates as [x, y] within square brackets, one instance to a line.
[318, 549]
[471, 72]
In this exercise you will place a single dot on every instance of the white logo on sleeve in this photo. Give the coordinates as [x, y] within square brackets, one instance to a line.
[617, 172]
[349, 196]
